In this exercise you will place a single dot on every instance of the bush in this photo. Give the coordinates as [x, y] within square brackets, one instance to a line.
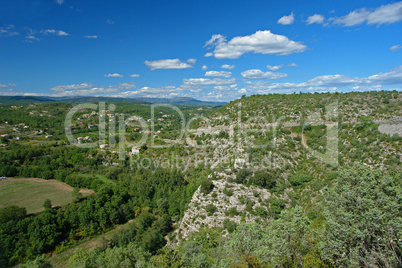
[206, 186]
[241, 176]
[210, 208]
[229, 225]
[299, 179]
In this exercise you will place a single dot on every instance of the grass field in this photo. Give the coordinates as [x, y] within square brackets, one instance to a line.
[31, 193]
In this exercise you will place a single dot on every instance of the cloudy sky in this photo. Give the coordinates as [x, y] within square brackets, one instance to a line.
[208, 50]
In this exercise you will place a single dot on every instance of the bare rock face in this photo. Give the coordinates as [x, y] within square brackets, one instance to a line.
[230, 200]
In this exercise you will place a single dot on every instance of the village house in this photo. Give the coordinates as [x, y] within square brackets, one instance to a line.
[49, 137]
[135, 150]
[102, 146]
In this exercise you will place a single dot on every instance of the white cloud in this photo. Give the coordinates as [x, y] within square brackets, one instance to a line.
[134, 75]
[327, 83]
[287, 20]
[316, 18]
[223, 74]
[127, 85]
[109, 21]
[204, 67]
[113, 75]
[52, 31]
[392, 77]
[209, 54]
[274, 68]
[31, 37]
[192, 61]
[71, 87]
[149, 92]
[228, 67]
[60, 2]
[385, 14]
[395, 48]
[261, 42]
[8, 30]
[87, 92]
[258, 74]
[208, 82]
[91, 36]
[168, 64]
[7, 85]
[292, 64]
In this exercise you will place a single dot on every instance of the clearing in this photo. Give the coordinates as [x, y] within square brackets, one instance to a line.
[31, 193]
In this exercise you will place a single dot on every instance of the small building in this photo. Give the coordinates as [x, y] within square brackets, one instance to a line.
[90, 126]
[88, 138]
[49, 137]
[102, 146]
[135, 150]
[5, 136]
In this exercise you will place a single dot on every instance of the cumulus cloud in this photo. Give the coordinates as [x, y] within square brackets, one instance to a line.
[192, 61]
[113, 75]
[134, 75]
[223, 74]
[208, 82]
[168, 64]
[274, 68]
[55, 32]
[71, 87]
[292, 64]
[316, 18]
[204, 67]
[287, 20]
[228, 67]
[395, 48]
[261, 42]
[327, 83]
[258, 74]
[385, 14]
[91, 36]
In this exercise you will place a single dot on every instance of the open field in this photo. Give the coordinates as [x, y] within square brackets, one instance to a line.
[31, 193]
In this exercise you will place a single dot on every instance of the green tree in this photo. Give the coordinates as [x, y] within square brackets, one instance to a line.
[47, 204]
[364, 221]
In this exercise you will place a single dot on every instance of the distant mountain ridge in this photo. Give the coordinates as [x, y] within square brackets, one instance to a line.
[23, 100]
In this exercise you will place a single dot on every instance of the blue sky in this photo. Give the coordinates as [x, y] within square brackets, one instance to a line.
[208, 50]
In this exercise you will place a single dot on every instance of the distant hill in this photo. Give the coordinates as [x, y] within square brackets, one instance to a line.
[23, 100]
[182, 100]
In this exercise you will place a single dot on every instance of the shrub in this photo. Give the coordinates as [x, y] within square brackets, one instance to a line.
[206, 186]
[210, 208]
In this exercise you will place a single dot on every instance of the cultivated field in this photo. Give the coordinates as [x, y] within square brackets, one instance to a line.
[31, 193]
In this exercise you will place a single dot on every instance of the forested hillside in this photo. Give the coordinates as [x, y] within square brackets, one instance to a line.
[300, 180]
